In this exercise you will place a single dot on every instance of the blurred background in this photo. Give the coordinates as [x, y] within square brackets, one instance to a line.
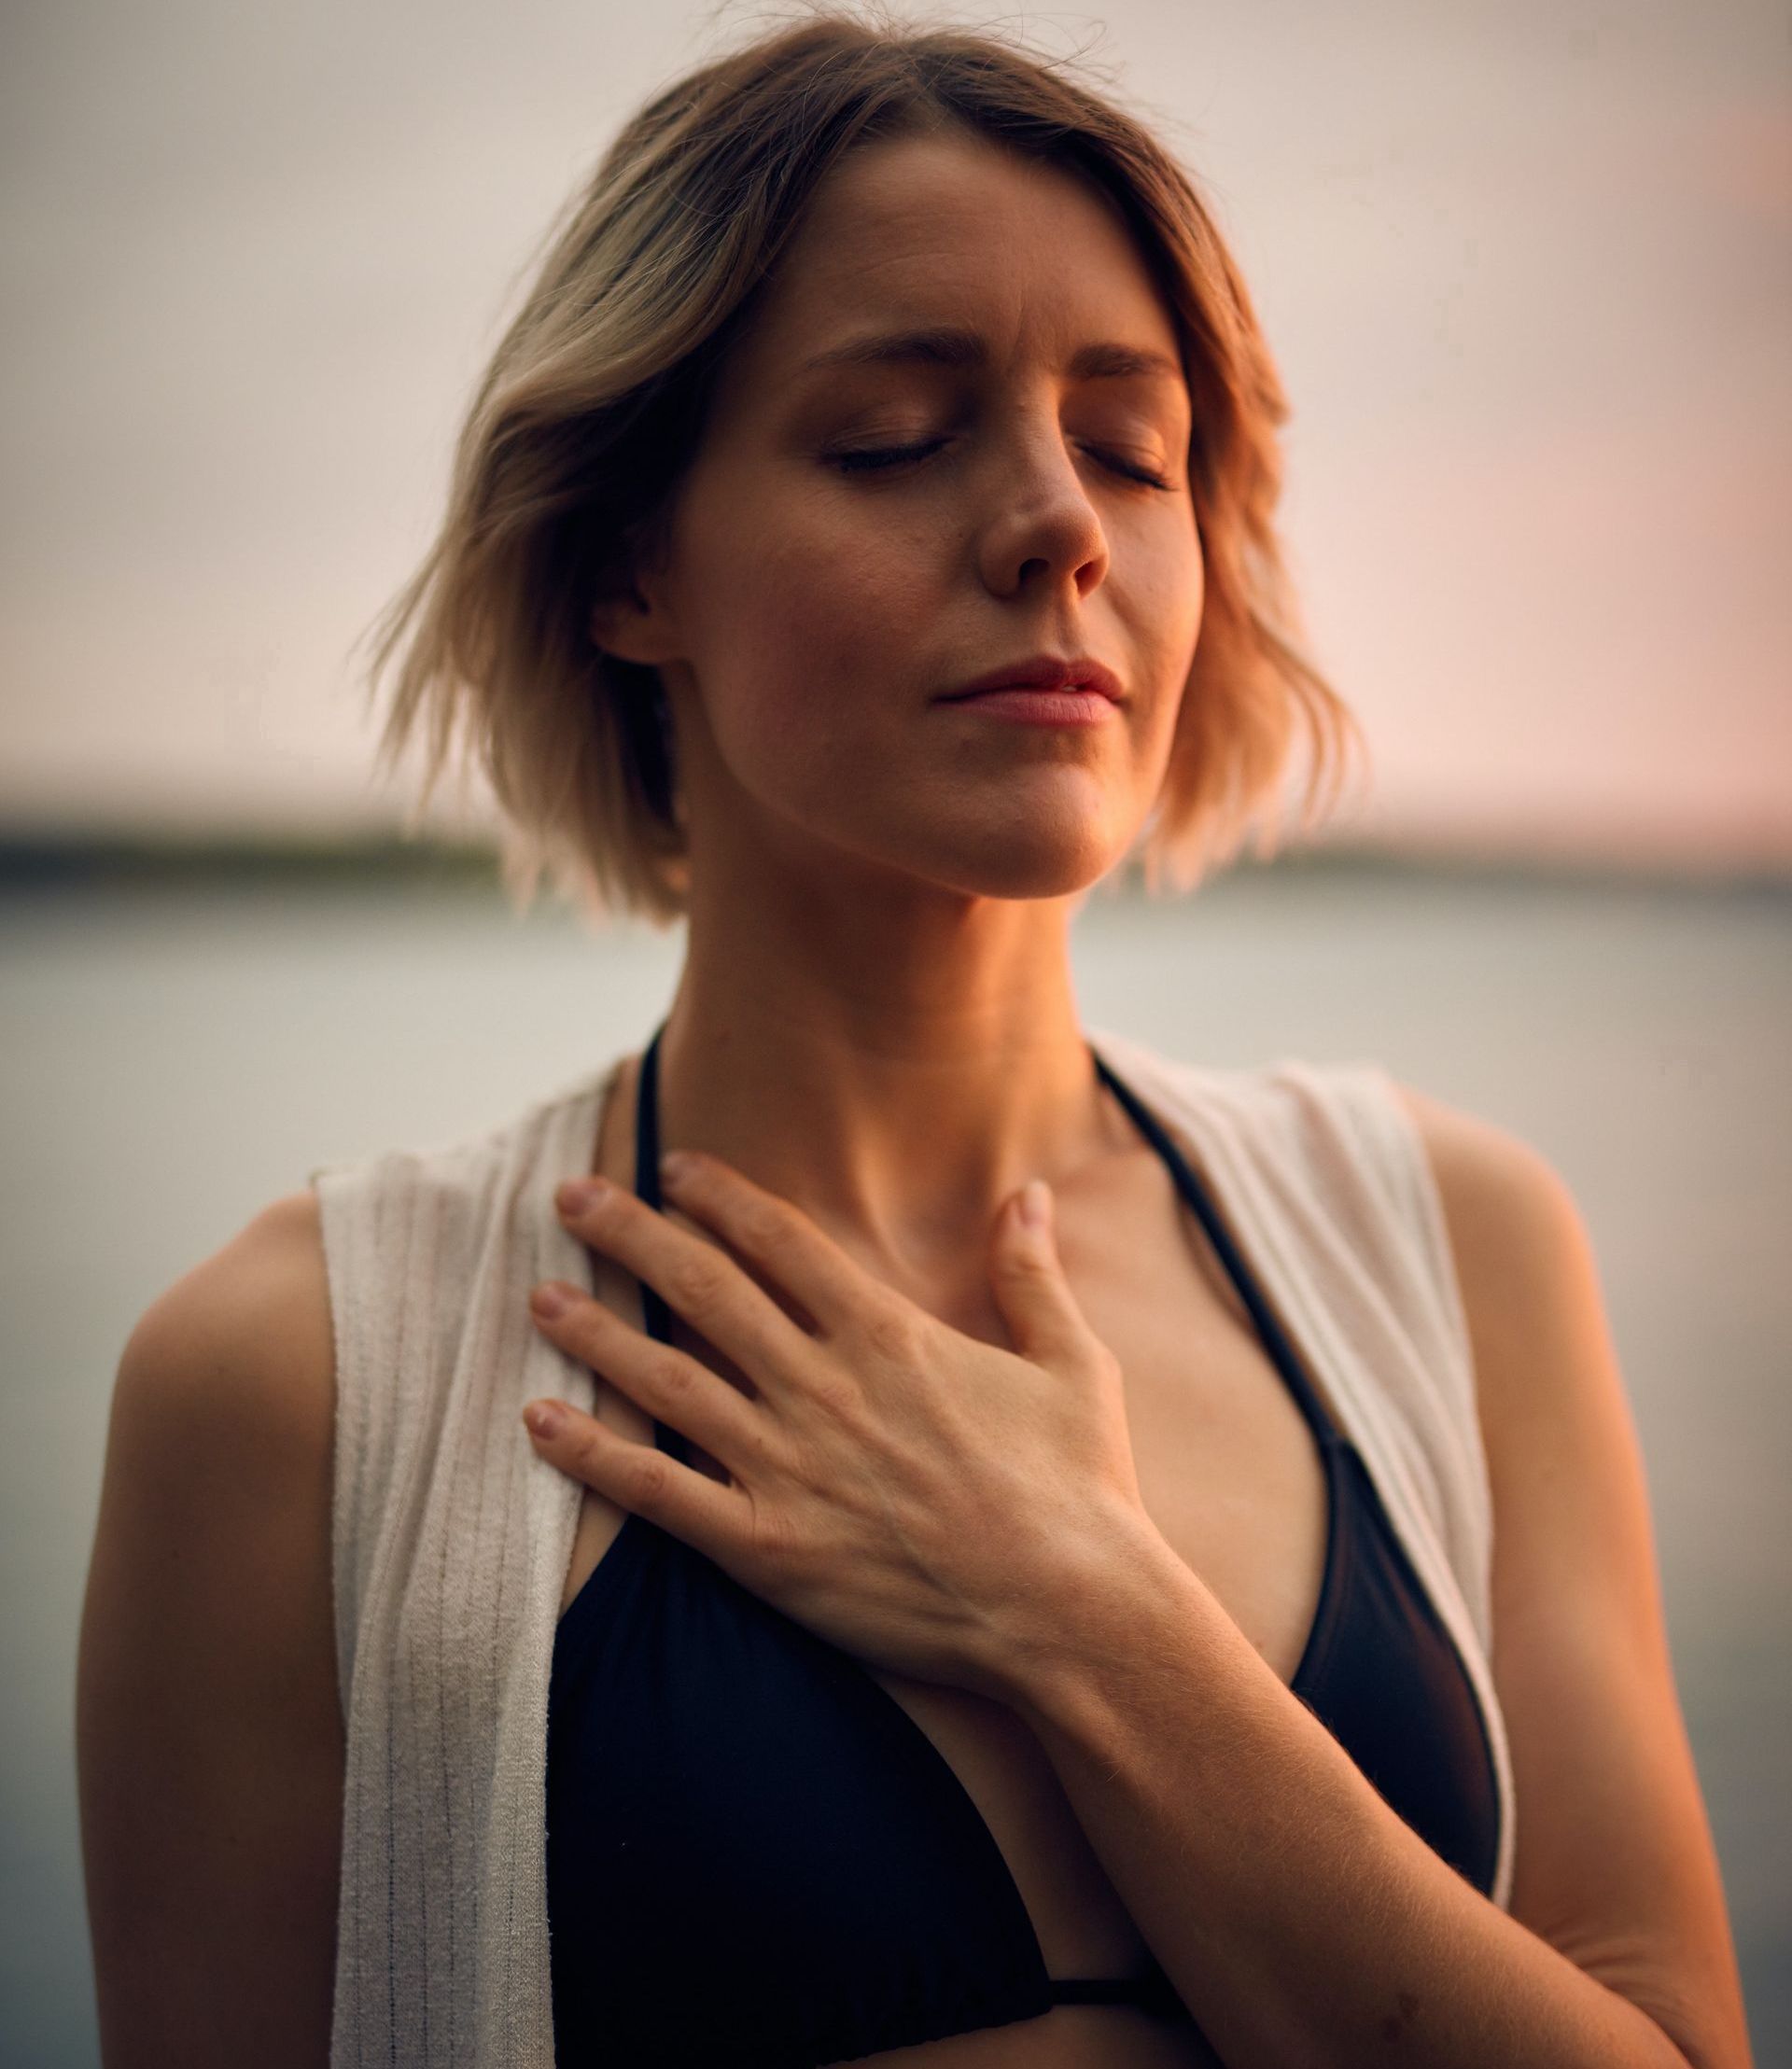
[1527, 272]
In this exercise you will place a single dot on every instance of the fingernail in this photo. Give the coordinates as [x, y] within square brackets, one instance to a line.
[1035, 1203]
[543, 1417]
[577, 1193]
[550, 1300]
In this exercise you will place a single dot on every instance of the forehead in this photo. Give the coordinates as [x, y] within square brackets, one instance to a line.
[955, 230]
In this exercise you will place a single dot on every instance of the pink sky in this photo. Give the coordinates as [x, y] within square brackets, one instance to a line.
[1526, 269]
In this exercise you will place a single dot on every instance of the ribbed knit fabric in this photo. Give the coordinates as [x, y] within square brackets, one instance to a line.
[453, 1539]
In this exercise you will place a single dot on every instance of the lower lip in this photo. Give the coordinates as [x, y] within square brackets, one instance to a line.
[1042, 706]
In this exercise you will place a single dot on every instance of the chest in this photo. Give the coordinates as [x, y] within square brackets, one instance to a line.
[1228, 1471]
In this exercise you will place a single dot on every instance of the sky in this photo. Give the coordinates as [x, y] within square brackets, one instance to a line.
[1525, 268]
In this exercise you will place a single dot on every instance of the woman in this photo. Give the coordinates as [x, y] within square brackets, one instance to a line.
[1211, 1619]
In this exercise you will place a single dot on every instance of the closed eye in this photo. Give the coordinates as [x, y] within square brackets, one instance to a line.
[874, 459]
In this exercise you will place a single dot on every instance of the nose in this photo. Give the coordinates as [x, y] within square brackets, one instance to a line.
[1043, 527]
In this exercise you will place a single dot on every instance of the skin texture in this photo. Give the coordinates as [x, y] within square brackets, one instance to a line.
[951, 1514]
[876, 1027]
[889, 958]
[207, 1725]
[904, 1491]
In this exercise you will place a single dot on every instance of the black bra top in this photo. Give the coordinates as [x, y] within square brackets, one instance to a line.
[756, 1856]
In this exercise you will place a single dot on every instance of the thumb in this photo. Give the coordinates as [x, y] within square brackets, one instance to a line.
[1027, 1277]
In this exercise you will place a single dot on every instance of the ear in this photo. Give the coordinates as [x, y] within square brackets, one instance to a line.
[633, 625]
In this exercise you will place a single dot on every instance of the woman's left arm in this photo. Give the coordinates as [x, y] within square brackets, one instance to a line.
[1302, 1920]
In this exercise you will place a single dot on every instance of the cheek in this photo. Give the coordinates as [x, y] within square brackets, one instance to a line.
[799, 612]
[1165, 606]
[830, 587]
[1166, 581]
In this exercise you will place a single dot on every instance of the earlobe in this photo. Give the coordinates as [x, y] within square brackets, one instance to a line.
[605, 625]
[626, 626]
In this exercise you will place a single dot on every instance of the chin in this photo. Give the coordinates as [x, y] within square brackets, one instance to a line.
[1033, 868]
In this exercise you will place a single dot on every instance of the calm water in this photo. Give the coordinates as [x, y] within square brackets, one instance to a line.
[174, 1059]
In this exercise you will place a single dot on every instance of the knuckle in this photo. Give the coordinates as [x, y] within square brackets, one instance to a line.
[691, 1284]
[774, 1540]
[669, 1376]
[890, 1332]
[1027, 1264]
[765, 1227]
[588, 1327]
[650, 1475]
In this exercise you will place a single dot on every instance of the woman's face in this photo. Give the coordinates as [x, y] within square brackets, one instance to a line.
[814, 605]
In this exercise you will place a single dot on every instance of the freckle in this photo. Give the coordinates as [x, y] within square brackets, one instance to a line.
[1394, 2027]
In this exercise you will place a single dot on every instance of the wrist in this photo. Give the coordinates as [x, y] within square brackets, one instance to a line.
[1089, 1615]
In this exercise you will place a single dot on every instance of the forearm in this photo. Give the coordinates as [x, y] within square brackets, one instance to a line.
[1301, 1919]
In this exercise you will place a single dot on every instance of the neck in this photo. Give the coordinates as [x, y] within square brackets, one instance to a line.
[896, 1085]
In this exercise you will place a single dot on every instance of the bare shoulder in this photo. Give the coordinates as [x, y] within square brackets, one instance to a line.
[1614, 1864]
[1562, 1448]
[1524, 1255]
[238, 1351]
[208, 1722]
[1497, 1188]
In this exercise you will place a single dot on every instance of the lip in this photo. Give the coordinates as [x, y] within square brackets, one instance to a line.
[1073, 672]
[1053, 707]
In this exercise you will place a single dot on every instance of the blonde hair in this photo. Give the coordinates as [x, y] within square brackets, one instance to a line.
[593, 406]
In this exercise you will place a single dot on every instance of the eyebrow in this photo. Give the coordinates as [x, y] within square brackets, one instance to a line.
[944, 346]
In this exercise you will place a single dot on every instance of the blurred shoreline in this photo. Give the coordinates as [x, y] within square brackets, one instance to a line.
[116, 861]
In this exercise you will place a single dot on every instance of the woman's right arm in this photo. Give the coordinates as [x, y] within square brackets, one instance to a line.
[208, 1731]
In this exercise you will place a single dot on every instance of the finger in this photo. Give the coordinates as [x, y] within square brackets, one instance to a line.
[673, 1386]
[694, 1278]
[776, 1237]
[640, 1477]
[1045, 1322]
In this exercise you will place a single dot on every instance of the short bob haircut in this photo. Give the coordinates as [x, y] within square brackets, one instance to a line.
[570, 458]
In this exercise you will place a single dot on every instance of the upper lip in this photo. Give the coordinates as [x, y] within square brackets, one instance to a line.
[1045, 672]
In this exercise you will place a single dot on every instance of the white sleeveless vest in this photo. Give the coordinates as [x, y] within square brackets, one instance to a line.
[453, 1539]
